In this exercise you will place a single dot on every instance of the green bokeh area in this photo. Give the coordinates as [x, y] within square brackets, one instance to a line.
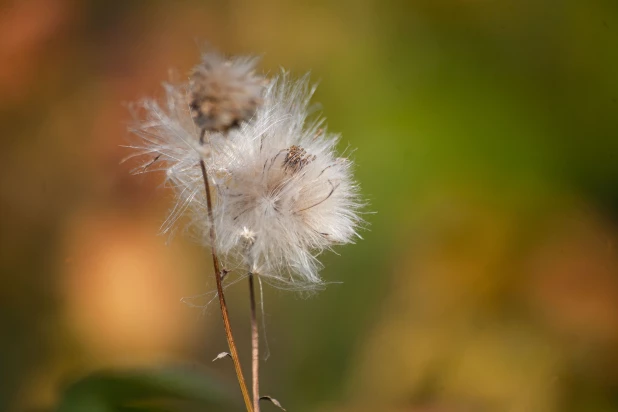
[485, 140]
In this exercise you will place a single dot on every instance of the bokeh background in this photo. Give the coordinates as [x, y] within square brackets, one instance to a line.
[486, 136]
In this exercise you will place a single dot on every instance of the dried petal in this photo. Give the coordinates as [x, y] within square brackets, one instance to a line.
[273, 400]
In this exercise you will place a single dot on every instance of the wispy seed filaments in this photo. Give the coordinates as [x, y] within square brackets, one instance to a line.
[276, 171]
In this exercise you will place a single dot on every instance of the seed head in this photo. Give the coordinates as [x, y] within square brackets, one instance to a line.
[282, 194]
[223, 93]
[284, 183]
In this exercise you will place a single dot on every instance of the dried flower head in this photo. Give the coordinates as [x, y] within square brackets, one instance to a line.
[282, 195]
[223, 93]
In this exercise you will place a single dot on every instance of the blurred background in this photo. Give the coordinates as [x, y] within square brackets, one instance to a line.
[486, 136]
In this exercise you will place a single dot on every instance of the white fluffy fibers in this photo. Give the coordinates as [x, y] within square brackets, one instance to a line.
[282, 195]
[284, 185]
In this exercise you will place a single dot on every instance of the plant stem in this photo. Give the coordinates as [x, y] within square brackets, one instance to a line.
[222, 304]
[255, 352]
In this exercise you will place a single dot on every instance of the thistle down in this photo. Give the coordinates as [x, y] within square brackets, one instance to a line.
[281, 193]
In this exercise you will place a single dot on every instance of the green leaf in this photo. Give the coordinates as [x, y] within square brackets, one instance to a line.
[140, 390]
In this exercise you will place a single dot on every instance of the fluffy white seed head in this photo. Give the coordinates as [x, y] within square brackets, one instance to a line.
[282, 195]
[284, 183]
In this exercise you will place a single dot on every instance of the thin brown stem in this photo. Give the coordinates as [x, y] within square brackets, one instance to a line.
[217, 267]
[255, 351]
